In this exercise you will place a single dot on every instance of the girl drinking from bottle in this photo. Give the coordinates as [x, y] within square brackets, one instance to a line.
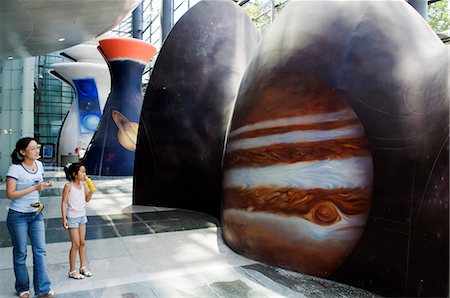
[73, 209]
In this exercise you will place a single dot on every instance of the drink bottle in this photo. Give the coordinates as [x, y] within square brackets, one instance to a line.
[90, 184]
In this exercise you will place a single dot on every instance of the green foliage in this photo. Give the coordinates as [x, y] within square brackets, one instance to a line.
[260, 11]
[438, 16]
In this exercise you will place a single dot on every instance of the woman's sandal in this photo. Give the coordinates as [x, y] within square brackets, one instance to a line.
[24, 294]
[85, 271]
[75, 275]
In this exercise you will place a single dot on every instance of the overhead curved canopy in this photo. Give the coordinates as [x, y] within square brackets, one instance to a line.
[36, 27]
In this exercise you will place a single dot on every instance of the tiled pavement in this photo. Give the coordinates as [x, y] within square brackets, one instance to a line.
[140, 251]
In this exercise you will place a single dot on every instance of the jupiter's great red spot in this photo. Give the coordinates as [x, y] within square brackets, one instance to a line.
[297, 175]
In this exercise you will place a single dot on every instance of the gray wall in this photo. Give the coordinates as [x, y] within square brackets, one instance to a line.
[16, 106]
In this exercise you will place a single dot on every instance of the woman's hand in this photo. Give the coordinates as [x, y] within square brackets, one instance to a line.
[43, 185]
[64, 223]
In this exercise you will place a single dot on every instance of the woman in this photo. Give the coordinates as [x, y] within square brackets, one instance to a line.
[24, 182]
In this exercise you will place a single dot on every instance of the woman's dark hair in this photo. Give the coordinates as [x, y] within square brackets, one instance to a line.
[21, 144]
[71, 170]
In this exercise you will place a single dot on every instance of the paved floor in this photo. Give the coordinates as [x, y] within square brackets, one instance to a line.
[140, 251]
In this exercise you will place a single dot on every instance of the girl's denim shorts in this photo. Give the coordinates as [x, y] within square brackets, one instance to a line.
[75, 222]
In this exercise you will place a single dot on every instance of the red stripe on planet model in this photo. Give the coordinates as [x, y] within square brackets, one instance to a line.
[127, 48]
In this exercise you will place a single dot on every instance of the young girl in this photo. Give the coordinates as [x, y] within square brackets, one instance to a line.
[73, 209]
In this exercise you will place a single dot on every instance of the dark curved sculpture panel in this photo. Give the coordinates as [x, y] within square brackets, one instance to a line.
[187, 107]
[289, 197]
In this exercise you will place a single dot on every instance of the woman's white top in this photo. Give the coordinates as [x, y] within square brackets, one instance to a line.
[25, 179]
[76, 203]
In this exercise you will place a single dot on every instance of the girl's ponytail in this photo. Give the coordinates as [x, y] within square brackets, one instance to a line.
[67, 171]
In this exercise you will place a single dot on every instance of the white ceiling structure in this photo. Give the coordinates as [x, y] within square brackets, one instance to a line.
[37, 27]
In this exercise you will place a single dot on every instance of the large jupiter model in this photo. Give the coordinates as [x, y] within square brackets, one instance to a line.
[298, 175]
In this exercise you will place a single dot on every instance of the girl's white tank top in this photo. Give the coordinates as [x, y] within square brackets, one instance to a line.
[76, 202]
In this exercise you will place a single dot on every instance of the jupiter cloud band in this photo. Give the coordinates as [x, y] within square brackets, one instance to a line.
[325, 174]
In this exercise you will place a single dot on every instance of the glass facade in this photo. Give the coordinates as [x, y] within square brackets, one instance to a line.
[52, 100]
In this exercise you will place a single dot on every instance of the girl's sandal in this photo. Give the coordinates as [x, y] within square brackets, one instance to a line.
[75, 275]
[85, 271]
[48, 295]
